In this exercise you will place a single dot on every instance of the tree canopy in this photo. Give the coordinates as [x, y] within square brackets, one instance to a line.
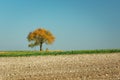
[40, 36]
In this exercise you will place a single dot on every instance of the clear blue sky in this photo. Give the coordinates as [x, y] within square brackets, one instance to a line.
[77, 24]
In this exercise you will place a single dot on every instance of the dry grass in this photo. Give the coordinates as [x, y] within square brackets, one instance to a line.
[62, 67]
[1, 52]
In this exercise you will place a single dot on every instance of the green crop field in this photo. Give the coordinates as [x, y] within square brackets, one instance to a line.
[42, 53]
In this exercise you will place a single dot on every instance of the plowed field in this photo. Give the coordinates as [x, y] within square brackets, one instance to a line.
[61, 67]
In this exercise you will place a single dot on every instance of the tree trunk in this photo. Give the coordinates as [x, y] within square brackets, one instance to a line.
[40, 46]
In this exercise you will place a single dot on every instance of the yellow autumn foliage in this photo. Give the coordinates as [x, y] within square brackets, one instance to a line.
[40, 36]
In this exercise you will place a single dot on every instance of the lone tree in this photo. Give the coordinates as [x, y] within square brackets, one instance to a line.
[40, 36]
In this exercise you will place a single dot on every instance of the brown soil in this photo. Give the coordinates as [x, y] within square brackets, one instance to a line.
[63, 67]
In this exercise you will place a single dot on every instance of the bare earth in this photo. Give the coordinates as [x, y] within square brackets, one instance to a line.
[63, 67]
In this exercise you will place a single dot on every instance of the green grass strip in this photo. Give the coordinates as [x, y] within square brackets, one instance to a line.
[43, 53]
